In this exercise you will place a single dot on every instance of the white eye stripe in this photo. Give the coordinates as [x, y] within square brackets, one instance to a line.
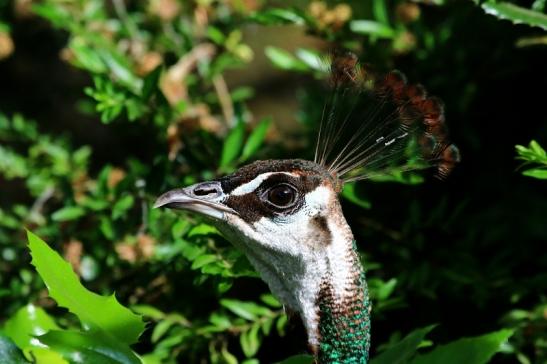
[253, 185]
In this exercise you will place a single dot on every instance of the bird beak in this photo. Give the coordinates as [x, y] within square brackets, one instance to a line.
[205, 198]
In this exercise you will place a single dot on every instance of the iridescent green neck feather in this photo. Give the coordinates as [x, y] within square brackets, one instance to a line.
[344, 324]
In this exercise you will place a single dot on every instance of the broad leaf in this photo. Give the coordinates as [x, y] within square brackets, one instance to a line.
[88, 347]
[28, 321]
[94, 311]
[404, 349]
[474, 350]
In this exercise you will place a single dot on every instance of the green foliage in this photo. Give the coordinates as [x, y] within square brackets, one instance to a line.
[476, 350]
[100, 314]
[533, 155]
[516, 14]
[162, 110]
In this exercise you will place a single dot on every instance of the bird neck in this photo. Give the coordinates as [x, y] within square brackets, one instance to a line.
[343, 313]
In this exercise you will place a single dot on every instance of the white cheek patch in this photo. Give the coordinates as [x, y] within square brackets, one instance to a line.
[253, 185]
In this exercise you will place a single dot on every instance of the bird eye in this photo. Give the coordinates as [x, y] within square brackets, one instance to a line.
[281, 195]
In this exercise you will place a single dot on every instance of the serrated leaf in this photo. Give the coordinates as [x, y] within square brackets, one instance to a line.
[28, 321]
[369, 27]
[474, 350]
[256, 139]
[400, 352]
[89, 347]
[232, 145]
[284, 60]
[516, 14]
[68, 213]
[97, 312]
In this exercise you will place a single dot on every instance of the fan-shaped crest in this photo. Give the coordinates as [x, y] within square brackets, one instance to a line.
[374, 124]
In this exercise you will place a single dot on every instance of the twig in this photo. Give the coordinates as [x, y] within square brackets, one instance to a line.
[225, 100]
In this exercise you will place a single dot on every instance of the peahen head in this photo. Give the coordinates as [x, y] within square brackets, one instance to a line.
[286, 217]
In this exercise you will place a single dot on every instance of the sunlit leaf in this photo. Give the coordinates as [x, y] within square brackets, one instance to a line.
[95, 311]
[369, 27]
[89, 347]
[284, 60]
[28, 321]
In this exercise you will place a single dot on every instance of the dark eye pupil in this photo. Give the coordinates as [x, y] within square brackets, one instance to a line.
[281, 196]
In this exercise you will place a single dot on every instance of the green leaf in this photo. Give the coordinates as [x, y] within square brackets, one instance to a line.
[203, 260]
[255, 139]
[349, 193]
[89, 347]
[97, 312]
[9, 353]
[68, 213]
[247, 310]
[250, 341]
[379, 9]
[232, 145]
[312, 59]
[404, 349]
[369, 27]
[121, 206]
[298, 359]
[538, 173]
[284, 60]
[474, 350]
[516, 14]
[28, 321]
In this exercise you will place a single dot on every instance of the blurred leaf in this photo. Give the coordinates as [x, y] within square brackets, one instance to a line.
[349, 193]
[279, 16]
[9, 353]
[68, 213]
[514, 13]
[369, 27]
[474, 350]
[536, 173]
[232, 145]
[312, 59]
[379, 10]
[98, 312]
[402, 351]
[255, 140]
[299, 359]
[249, 341]
[247, 310]
[27, 322]
[89, 347]
[121, 206]
[284, 60]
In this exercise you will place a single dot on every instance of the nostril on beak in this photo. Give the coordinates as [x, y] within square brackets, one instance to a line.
[206, 190]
